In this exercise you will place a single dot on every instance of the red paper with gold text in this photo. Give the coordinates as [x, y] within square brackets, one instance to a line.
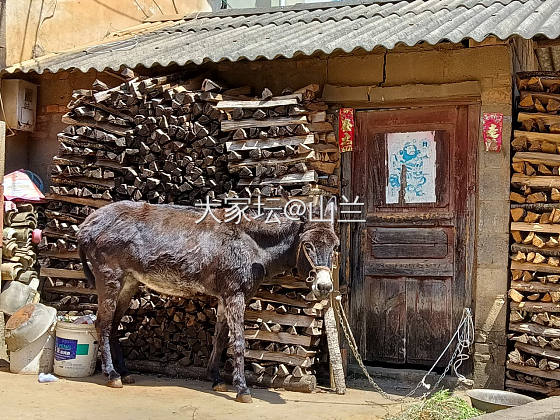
[492, 125]
[346, 129]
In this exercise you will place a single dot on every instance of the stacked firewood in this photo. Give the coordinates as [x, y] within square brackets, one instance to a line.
[169, 147]
[281, 145]
[173, 139]
[169, 329]
[534, 324]
[65, 286]
[91, 152]
[283, 328]
[152, 139]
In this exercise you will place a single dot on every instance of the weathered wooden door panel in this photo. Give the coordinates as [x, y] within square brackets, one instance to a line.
[383, 322]
[428, 318]
[413, 168]
[408, 242]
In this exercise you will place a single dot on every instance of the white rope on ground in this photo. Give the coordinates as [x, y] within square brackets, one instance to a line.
[465, 338]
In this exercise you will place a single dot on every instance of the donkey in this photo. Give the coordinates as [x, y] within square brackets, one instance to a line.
[164, 248]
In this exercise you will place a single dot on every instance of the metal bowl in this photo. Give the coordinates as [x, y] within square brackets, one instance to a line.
[490, 400]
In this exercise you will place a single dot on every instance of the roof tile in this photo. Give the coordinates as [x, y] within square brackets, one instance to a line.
[306, 29]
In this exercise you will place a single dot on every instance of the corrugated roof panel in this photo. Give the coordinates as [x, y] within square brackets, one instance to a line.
[307, 29]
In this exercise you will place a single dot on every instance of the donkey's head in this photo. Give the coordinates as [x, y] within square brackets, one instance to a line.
[317, 243]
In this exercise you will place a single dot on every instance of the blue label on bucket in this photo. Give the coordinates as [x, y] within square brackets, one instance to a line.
[65, 349]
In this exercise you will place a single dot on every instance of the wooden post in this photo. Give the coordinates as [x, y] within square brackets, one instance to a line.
[346, 231]
[335, 358]
[3, 350]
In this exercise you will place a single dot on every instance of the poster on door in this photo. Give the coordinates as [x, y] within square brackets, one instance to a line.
[411, 161]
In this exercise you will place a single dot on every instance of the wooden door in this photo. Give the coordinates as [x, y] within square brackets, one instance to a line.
[412, 259]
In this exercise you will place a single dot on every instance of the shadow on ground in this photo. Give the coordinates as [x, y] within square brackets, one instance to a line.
[268, 395]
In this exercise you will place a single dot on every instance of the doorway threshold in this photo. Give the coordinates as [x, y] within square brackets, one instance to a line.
[402, 380]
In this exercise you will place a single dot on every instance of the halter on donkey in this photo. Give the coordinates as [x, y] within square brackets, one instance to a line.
[164, 248]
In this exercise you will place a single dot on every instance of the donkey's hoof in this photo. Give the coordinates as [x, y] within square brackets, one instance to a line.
[127, 379]
[220, 387]
[114, 383]
[244, 398]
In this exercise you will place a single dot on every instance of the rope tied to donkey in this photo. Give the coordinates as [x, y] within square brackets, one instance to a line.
[314, 267]
[465, 338]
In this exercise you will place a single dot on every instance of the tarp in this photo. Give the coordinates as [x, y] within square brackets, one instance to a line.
[19, 187]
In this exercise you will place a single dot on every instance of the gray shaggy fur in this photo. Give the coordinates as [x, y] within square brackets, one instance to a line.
[162, 247]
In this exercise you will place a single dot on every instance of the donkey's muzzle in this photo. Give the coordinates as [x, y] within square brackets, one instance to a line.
[323, 284]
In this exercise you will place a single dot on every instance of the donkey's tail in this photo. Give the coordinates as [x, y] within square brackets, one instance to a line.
[87, 271]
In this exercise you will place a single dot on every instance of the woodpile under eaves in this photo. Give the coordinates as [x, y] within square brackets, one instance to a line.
[177, 139]
[534, 323]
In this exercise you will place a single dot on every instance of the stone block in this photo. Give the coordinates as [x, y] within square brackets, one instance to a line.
[493, 184]
[355, 70]
[489, 366]
[546, 409]
[494, 160]
[418, 67]
[497, 95]
[493, 249]
[493, 218]
[491, 305]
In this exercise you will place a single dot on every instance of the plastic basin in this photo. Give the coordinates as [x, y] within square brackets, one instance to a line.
[490, 400]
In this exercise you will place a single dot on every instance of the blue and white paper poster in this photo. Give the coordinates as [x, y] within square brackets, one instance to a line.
[416, 152]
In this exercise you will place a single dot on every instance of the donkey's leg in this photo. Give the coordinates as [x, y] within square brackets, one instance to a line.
[219, 342]
[235, 313]
[118, 360]
[109, 280]
[129, 289]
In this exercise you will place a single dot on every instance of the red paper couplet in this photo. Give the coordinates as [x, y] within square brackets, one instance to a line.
[346, 129]
[492, 125]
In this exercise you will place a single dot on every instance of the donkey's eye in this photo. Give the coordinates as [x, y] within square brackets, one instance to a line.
[308, 246]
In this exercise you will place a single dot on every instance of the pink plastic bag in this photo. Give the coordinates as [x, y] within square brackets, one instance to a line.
[19, 187]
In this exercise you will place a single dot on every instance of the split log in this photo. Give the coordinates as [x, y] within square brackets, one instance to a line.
[537, 351]
[534, 287]
[533, 371]
[536, 181]
[284, 338]
[289, 359]
[537, 158]
[272, 122]
[521, 386]
[272, 103]
[283, 319]
[536, 307]
[61, 273]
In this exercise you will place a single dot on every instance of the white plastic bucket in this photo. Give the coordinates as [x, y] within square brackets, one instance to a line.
[16, 295]
[36, 357]
[28, 324]
[75, 351]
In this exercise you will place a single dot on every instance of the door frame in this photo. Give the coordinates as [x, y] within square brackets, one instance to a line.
[351, 237]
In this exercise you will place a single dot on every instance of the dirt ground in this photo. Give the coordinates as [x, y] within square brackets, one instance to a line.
[23, 397]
